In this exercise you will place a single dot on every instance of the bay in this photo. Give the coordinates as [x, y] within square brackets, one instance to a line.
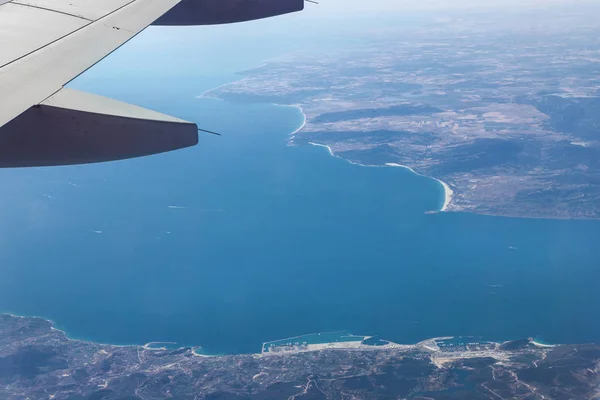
[244, 239]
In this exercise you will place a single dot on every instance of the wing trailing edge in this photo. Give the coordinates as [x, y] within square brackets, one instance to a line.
[73, 127]
[212, 12]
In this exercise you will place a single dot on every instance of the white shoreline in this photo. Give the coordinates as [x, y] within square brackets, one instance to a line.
[196, 354]
[206, 94]
[323, 145]
[66, 334]
[342, 158]
[537, 344]
[448, 192]
[350, 345]
[303, 116]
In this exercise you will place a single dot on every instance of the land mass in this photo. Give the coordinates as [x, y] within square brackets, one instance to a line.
[505, 110]
[40, 362]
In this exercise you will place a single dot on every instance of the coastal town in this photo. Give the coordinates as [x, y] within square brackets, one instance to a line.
[38, 361]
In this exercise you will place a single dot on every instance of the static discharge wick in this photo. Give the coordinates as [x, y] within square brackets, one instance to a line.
[211, 132]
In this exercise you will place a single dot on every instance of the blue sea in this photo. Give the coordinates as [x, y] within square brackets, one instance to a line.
[244, 239]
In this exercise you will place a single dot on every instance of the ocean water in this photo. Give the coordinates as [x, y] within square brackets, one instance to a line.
[244, 239]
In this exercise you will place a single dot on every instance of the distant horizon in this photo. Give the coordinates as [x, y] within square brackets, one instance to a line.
[347, 7]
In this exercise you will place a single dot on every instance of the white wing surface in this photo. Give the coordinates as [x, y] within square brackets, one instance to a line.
[44, 44]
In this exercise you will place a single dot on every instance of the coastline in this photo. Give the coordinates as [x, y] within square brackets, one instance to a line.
[542, 345]
[48, 363]
[146, 346]
[304, 122]
[66, 334]
[206, 93]
[448, 192]
[351, 345]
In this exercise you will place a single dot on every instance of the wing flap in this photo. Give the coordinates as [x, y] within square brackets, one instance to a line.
[74, 127]
[32, 79]
[210, 12]
[89, 9]
[25, 29]
[82, 101]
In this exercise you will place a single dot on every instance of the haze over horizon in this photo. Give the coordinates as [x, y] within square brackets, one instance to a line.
[327, 7]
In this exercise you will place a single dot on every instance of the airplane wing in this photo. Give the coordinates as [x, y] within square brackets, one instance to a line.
[44, 44]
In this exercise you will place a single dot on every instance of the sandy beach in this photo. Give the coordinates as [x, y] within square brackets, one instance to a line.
[196, 354]
[402, 166]
[303, 123]
[448, 192]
